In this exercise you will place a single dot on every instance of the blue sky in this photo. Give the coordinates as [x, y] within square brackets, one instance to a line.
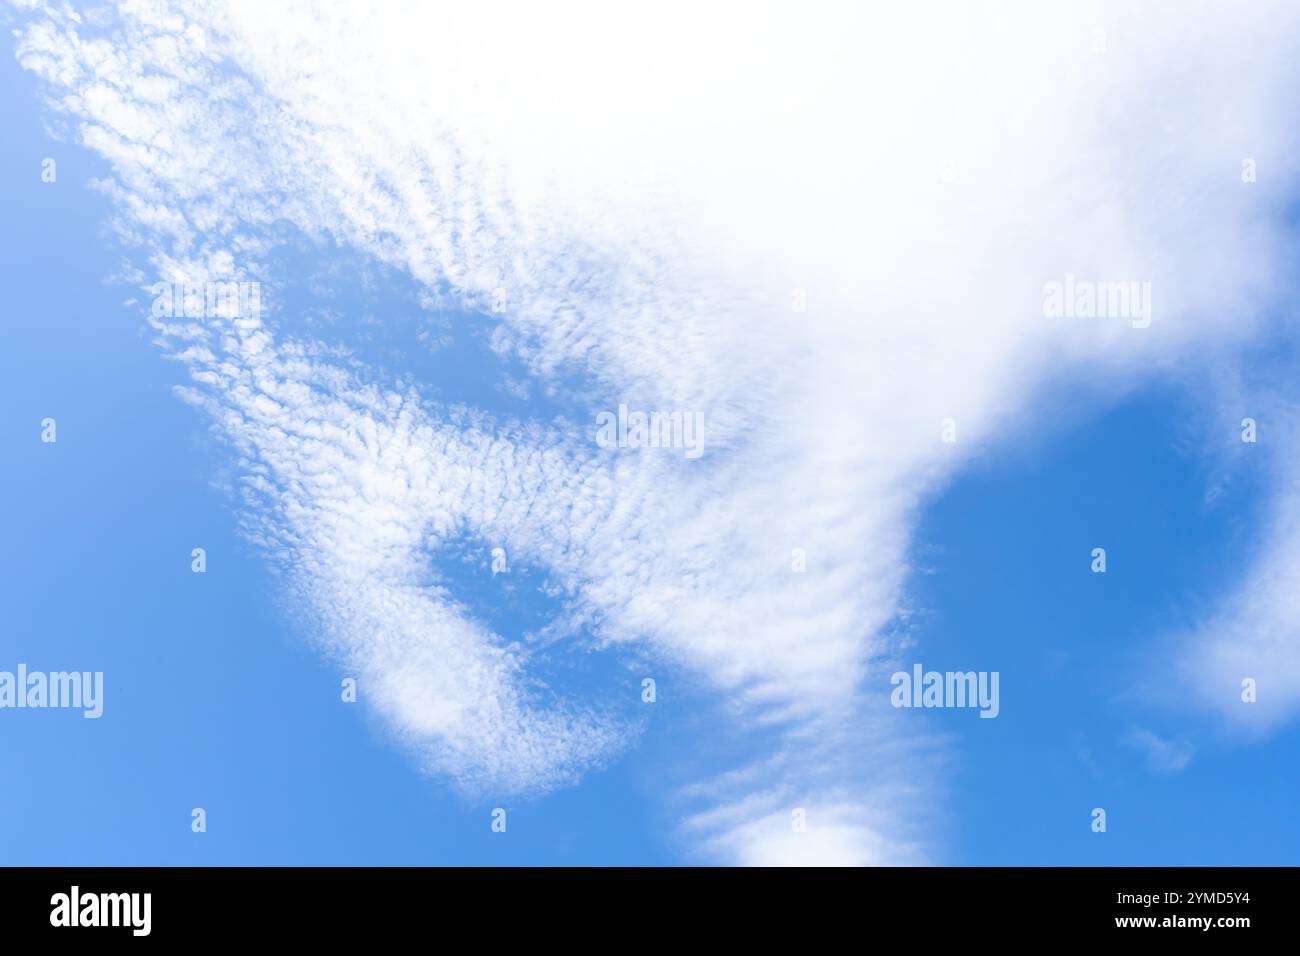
[222, 689]
[1006, 551]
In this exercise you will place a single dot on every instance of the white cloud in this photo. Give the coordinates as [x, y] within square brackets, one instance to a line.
[1244, 660]
[1163, 756]
[650, 192]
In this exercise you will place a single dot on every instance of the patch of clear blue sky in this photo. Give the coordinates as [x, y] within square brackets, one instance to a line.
[1008, 586]
[214, 701]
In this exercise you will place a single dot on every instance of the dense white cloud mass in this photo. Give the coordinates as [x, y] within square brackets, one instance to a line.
[651, 195]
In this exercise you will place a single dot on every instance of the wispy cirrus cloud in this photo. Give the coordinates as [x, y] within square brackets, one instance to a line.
[1162, 755]
[828, 242]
